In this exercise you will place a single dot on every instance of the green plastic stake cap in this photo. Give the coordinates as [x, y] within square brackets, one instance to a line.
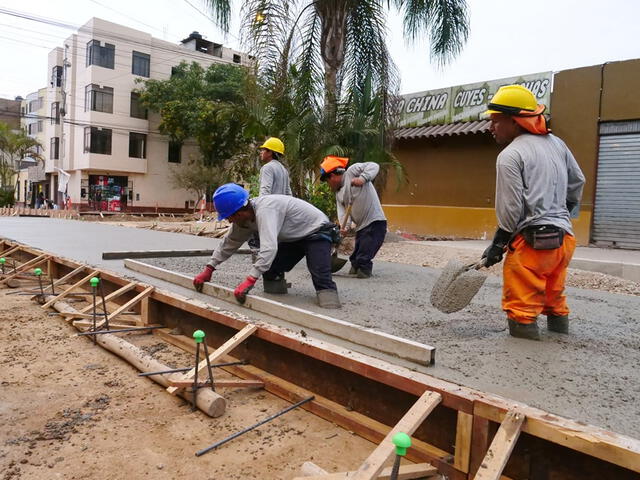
[402, 441]
[198, 336]
[94, 281]
[3, 260]
[38, 271]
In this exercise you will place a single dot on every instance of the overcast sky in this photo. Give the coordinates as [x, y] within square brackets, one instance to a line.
[508, 37]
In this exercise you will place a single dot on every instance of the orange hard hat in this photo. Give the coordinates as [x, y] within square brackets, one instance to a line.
[330, 164]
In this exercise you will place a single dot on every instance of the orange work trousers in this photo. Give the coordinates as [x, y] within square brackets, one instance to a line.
[534, 280]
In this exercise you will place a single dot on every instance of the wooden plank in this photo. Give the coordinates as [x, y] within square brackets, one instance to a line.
[66, 277]
[463, 442]
[224, 349]
[406, 472]
[10, 251]
[125, 306]
[156, 254]
[31, 263]
[408, 424]
[501, 447]
[331, 411]
[70, 289]
[594, 441]
[219, 383]
[381, 341]
[88, 324]
[112, 295]
[479, 442]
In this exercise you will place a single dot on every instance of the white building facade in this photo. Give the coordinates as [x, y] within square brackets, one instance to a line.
[97, 137]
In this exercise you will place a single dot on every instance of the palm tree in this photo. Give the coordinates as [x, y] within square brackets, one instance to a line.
[339, 43]
[14, 147]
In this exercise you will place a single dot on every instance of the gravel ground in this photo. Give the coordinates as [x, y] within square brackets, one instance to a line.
[588, 375]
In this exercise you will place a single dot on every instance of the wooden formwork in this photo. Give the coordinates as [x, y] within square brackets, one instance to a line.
[369, 396]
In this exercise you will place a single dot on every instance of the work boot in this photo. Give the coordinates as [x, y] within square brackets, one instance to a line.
[524, 330]
[558, 323]
[362, 273]
[353, 270]
[328, 299]
[277, 285]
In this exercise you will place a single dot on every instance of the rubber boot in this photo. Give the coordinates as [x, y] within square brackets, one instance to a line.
[524, 330]
[362, 273]
[353, 270]
[278, 285]
[558, 323]
[328, 299]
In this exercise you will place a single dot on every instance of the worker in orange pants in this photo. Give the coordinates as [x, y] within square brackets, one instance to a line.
[538, 188]
[534, 281]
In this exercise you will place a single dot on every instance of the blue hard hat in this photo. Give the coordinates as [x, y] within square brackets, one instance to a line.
[228, 199]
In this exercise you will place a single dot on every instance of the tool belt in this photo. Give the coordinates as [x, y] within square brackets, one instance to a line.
[330, 232]
[543, 237]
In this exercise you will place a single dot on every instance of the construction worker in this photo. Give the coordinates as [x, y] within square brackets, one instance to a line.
[538, 184]
[353, 186]
[274, 179]
[289, 228]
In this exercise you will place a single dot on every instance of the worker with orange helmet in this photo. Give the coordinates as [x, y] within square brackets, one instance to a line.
[353, 186]
[538, 184]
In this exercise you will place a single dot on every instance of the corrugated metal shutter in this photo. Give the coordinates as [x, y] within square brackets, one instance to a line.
[616, 217]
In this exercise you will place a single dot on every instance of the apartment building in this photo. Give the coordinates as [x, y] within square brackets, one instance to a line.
[102, 148]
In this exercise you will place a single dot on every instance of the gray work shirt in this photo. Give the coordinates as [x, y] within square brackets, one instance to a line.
[366, 207]
[279, 218]
[536, 175]
[274, 179]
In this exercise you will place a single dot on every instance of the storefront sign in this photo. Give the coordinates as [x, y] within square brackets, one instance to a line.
[465, 103]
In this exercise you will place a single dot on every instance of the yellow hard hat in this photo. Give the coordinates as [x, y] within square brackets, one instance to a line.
[274, 144]
[511, 99]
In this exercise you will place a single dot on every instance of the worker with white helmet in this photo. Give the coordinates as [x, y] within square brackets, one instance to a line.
[289, 229]
[538, 184]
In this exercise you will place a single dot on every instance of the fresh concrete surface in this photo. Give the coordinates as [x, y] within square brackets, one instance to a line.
[589, 375]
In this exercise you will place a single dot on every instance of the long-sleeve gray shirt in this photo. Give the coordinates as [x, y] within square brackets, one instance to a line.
[536, 175]
[366, 204]
[279, 218]
[274, 179]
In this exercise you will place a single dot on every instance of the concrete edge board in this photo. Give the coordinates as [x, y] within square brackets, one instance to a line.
[381, 341]
[628, 271]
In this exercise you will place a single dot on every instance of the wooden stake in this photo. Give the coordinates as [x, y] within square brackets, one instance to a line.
[501, 447]
[219, 383]
[70, 289]
[463, 442]
[227, 347]
[420, 410]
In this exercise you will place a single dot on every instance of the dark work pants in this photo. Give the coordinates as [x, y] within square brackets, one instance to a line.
[318, 253]
[368, 242]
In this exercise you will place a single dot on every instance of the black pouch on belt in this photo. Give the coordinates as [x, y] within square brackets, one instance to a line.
[543, 237]
[330, 232]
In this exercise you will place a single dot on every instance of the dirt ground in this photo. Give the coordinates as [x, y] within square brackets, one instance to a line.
[72, 410]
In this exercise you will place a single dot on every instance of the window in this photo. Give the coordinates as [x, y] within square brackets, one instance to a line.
[237, 58]
[101, 56]
[98, 99]
[137, 110]
[56, 76]
[97, 140]
[35, 105]
[40, 126]
[137, 145]
[175, 152]
[140, 64]
[31, 129]
[55, 113]
[55, 148]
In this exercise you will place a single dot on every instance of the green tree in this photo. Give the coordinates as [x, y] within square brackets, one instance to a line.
[14, 147]
[206, 105]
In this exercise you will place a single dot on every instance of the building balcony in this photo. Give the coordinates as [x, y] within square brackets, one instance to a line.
[112, 163]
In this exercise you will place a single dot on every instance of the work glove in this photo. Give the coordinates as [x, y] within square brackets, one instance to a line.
[203, 276]
[244, 288]
[494, 252]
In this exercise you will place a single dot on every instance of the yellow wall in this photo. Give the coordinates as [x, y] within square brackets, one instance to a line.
[460, 222]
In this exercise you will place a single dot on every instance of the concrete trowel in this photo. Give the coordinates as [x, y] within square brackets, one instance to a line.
[457, 285]
[336, 262]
